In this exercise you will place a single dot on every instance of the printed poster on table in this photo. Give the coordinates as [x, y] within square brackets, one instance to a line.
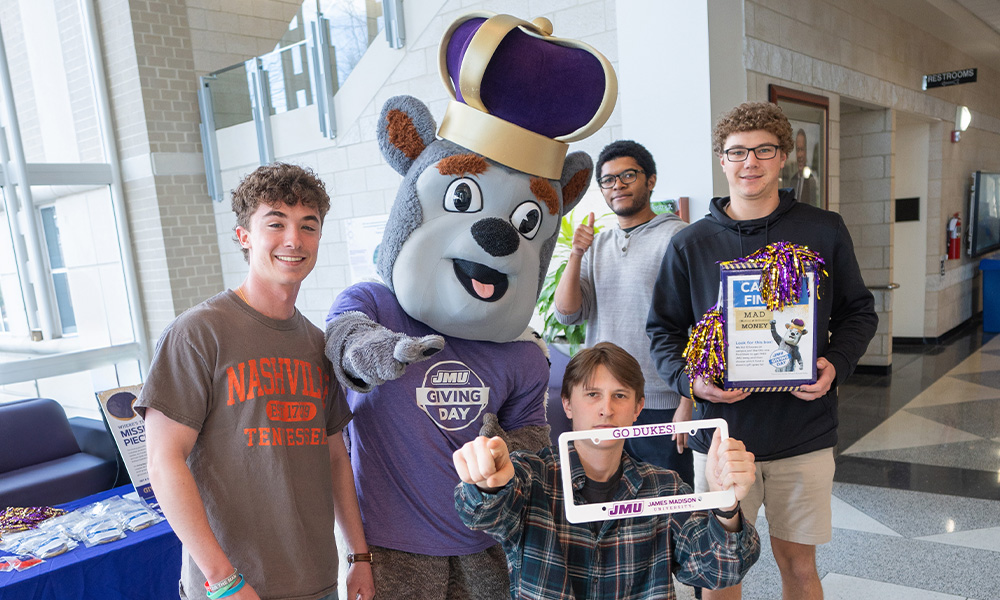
[765, 350]
[129, 431]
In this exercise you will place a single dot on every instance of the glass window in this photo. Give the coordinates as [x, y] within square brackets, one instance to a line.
[80, 230]
[75, 390]
[290, 84]
[76, 283]
[4, 325]
[50, 72]
[11, 308]
[57, 266]
[354, 25]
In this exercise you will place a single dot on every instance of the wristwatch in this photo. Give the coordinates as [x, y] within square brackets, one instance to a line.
[727, 514]
[360, 557]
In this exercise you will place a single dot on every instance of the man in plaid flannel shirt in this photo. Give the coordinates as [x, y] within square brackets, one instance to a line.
[517, 499]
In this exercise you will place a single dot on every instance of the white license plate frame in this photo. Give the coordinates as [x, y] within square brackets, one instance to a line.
[640, 507]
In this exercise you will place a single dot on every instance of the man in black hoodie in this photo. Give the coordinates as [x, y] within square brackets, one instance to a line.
[792, 434]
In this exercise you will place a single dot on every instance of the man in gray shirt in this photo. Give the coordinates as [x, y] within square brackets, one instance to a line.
[608, 282]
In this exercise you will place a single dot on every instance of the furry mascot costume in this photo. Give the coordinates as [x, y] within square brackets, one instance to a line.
[464, 254]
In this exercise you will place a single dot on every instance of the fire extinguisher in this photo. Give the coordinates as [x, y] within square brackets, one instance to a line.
[954, 237]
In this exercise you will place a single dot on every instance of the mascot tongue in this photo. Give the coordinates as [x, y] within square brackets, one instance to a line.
[484, 290]
[472, 276]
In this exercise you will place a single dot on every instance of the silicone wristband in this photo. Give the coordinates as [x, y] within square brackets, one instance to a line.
[224, 583]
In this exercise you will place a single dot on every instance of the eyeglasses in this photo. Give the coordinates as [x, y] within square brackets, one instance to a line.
[762, 152]
[626, 177]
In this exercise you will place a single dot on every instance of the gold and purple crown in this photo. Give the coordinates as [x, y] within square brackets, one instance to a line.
[520, 95]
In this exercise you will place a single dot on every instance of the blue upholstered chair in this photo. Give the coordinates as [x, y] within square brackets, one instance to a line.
[41, 463]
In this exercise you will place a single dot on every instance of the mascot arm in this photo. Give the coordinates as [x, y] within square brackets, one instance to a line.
[530, 437]
[774, 333]
[524, 413]
[365, 354]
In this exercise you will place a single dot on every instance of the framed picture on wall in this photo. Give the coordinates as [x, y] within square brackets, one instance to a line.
[806, 169]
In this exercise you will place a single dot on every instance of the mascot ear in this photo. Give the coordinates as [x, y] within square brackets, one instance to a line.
[405, 128]
[575, 179]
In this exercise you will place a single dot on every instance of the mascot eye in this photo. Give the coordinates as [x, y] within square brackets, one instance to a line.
[463, 195]
[526, 219]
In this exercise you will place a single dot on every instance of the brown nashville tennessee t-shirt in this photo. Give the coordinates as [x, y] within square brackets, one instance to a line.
[259, 392]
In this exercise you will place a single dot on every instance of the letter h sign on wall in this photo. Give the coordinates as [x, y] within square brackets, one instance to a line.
[637, 507]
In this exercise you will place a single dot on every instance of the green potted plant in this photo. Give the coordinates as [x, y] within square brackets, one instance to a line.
[553, 332]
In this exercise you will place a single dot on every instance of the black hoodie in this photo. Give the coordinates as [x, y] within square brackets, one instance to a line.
[772, 424]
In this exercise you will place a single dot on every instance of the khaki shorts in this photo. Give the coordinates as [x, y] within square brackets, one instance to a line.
[795, 492]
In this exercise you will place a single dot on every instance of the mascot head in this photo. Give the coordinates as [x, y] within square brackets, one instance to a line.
[794, 332]
[471, 233]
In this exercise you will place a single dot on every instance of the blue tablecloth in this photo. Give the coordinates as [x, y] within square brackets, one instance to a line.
[144, 565]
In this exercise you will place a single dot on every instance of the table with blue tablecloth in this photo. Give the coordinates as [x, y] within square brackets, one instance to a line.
[145, 564]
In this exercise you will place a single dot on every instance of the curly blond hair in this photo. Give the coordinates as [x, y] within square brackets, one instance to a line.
[753, 116]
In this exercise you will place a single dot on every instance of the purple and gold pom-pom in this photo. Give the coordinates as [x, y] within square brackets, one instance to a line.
[783, 267]
[14, 518]
[705, 353]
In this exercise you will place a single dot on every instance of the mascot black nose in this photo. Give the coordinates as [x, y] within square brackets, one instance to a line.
[496, 236]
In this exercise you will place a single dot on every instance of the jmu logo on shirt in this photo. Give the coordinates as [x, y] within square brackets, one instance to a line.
[452, 395]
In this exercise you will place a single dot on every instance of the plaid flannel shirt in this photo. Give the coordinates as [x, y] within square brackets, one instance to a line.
[615, 559]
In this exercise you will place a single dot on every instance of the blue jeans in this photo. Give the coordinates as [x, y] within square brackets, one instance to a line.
[332, 596]
[661, 450]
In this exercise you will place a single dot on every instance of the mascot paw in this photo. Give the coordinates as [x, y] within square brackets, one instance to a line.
[410, 350]
[491, 426]
[531, 437]
[382, 355]
[365, 354]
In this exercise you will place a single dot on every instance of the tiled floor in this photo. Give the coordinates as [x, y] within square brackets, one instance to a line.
[916, 507]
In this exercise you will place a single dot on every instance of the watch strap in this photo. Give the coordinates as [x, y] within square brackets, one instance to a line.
[359, 557]
[727, 514]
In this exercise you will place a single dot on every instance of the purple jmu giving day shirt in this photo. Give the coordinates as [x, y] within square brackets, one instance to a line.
[405, 431]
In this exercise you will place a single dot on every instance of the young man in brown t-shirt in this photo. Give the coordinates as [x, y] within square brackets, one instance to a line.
[243, 420]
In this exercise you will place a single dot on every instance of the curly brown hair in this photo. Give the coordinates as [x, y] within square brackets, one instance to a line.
[753, 116]
[278, 183]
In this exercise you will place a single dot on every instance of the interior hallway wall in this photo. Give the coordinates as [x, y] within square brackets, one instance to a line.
[957, 295]
[866, 192]
[844, 48]
[867, 52]
[911, 238]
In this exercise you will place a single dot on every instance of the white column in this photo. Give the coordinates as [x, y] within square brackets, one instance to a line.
[680, 66]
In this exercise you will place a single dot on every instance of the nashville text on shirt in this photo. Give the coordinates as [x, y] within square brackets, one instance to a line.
[260, 377]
